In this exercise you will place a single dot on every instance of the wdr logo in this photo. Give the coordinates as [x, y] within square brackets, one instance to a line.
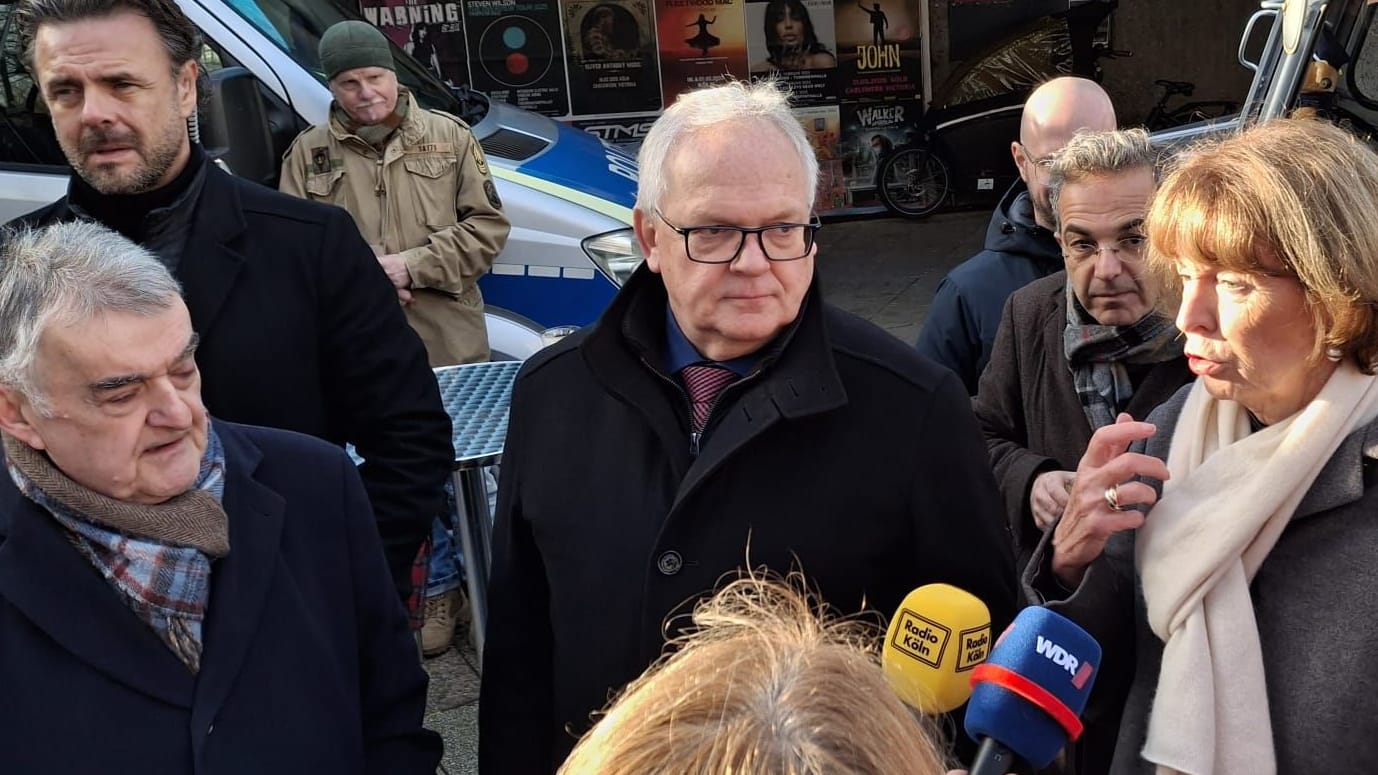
[1081, 672]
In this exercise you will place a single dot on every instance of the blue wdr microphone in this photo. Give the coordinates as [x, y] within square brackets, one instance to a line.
[1028, 696]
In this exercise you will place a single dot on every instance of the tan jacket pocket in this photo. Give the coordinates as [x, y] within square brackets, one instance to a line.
[323, 185]
[432, 180]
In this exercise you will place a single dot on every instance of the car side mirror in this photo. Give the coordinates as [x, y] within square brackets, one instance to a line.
[234, 126]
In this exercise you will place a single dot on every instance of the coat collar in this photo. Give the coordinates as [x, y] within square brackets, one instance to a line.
[54, 587]
[213, 259]
[795, 377]
[1341, 480]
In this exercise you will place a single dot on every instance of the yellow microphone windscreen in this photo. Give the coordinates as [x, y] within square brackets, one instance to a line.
[935, 639]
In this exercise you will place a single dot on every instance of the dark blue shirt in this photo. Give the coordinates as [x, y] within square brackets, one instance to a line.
[680, 352]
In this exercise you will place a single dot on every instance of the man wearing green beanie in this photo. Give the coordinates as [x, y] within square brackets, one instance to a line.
[417, 184]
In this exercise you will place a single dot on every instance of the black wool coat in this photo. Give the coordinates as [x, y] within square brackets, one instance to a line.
[844, 454]
[308, 664]
[1028, 406]
[300, 329]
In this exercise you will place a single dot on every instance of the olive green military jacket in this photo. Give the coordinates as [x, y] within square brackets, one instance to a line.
[428, 196]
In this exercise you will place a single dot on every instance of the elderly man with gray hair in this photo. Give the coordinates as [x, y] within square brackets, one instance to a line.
[1078, 348]
[192, 595]
[719, 415]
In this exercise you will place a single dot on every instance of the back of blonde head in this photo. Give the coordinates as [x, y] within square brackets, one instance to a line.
[767, 685]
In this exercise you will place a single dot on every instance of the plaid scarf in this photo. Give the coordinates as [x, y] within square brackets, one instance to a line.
[1096, 355]
[157, 557]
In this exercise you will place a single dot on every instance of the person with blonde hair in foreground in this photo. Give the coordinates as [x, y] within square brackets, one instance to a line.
[767, 683]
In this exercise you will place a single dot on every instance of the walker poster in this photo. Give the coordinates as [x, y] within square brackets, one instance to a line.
[870, 130]
[433, 33]
[700, 42]
[612, 56]
[795, 40]
[516, 53]
[824, 128]
[879, 49]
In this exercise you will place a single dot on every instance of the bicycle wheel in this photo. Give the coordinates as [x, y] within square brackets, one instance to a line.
[912, 182]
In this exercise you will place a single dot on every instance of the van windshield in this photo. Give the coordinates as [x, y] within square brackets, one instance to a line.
[296, 27]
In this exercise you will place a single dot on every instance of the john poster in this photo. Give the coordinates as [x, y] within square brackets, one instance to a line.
[515, 52]
[433, 33]
[700, 42]
[880, 49]
[612, 56]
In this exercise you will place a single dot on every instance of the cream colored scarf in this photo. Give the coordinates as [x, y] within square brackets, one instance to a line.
[1230, 496]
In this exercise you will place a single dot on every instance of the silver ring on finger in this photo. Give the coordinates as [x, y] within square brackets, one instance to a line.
[1112, 497]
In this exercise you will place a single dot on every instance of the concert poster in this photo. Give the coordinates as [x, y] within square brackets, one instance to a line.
[823, 126]
[515, 53]
[870, 130]
[613, 67]
[433, 33]
[880, 49]
[701, 41]
[793, 40]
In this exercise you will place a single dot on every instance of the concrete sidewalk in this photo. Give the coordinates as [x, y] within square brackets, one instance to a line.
[884, 270]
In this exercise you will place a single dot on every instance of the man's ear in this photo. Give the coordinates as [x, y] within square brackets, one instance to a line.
[1021, 160]
[15, 414]
[186, 87]
[646, 238]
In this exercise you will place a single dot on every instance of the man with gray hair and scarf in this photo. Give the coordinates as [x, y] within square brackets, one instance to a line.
[718, 416]
[190, 594]
[1078, 348]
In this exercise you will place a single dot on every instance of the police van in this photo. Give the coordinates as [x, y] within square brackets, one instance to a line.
[569, 195]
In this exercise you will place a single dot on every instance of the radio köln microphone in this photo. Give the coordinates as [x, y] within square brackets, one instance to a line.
[935, 640]
[1027, 698]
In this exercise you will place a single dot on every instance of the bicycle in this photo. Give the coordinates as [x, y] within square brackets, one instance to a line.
[912, 181]
[1160, 117]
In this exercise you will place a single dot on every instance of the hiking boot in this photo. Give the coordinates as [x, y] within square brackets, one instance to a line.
[443, 613]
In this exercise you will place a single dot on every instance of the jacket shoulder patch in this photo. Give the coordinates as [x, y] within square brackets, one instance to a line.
[479, 160]
[492, 192]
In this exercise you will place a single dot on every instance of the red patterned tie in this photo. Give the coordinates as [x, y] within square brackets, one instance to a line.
[704, 383]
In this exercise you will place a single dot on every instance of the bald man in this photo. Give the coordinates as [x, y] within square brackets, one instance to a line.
[1020, 247]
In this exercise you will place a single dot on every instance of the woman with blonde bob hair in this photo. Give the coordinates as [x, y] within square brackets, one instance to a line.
[1240, 525]
[767, 684]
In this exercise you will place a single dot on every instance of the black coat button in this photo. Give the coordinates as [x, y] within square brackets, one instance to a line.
[670, 563]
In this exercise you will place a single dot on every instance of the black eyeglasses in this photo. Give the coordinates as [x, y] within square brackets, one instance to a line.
[1126, 248]
[722, 244]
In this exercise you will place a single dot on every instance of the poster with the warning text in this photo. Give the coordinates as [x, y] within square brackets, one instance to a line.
[433, 33]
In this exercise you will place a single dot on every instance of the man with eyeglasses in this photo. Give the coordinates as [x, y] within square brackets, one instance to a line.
[960, 329]
[1079, 348]
[719, 416]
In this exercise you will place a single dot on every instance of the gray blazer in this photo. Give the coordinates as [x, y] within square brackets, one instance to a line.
[1315, 600]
